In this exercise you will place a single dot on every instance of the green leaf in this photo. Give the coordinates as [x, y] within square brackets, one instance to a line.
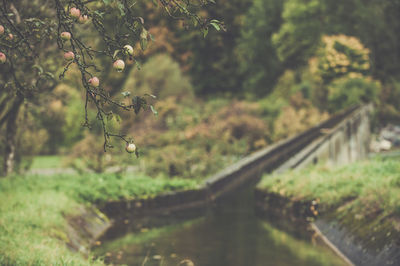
[126, 93]
[194, 22]
[115, 53]
[152, 37]
[143, 39]
[121, 8]
[153, 110]
[99, 14]
[216, 26]
[141, 20]
[49, 74]
[138, 103]
[143, 34]
[143, 44]
[106, 2]
[151, 95]
[39, 69]
[138, 66]
[205, 32]
[155, 2]
[110, 116]
[117, 118]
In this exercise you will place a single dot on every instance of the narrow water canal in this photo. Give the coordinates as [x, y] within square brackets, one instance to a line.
[228, 234]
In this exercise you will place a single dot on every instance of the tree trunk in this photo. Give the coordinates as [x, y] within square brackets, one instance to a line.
[11, 131]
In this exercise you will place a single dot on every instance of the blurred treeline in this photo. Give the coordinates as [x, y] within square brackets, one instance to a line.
[281, 67]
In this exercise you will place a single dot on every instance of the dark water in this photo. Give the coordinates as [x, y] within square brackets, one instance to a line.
[229, 234]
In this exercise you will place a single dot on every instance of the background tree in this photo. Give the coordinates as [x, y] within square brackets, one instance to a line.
[259, 64]
[300, 33]
[374, 22]
[214, 57]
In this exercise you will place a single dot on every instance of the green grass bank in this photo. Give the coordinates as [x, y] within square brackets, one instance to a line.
[363, 198]
[34, 211]
[363, 188]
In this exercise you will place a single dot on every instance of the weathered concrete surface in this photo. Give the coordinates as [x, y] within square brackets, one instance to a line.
[85, 228]
[347, 142]
[376, 247]
[162, 204]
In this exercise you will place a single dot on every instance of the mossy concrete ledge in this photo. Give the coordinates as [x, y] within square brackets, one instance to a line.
[374, 242]
[164, 203]
[85, 228]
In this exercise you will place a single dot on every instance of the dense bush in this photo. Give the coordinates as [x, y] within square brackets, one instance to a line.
[88, 154]
[345, 92]
[389, 102]
[197, 140]
[160, 76]
[342, 55]
[341, 69]
[62, 117]
[297, 117]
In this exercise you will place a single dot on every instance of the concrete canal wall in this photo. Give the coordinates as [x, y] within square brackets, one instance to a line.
[347, 142]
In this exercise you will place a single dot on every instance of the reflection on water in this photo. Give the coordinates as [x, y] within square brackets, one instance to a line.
[230, 234]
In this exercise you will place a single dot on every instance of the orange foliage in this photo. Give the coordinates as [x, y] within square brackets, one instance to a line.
[297, 117]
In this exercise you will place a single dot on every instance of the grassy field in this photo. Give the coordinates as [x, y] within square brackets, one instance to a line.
[367, 187]
[33, 211]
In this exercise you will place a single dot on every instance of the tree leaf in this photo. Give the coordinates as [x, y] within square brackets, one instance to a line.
[143, 43]
[121, 8]
[39, 69]
[117, 118]
[151, 95]
[152, 37]
[115, 53]
[49, 74]
[99, 14]
[136, 104]
[153, 110]
[110, 116]
[205, 32]
[216, 26]
[138, 66]
[126, 93]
